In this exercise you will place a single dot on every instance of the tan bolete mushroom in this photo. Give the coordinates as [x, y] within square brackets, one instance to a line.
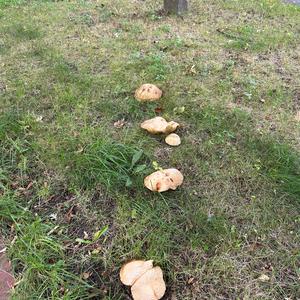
[173, 139]
[159, 125]
[133, 270]
[148, 92]
[150, 286]
[163, 180]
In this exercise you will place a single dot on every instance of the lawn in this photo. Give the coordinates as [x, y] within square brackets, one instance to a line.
[73, 207]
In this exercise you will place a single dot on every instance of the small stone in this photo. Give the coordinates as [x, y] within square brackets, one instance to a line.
[263, 278]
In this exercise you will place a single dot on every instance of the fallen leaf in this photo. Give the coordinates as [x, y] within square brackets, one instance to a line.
[86, 275]
[69, 215]
[158, 110]
[191, 280]
[120, 123]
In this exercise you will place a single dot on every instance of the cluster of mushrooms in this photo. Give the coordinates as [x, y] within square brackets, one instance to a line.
[162, 180]
[146, 281]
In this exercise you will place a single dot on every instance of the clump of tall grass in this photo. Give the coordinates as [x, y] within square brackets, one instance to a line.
[108, 163]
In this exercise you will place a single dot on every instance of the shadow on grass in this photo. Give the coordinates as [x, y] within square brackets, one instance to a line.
[279, 162]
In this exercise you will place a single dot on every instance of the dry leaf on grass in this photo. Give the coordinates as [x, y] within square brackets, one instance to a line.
[158, 110]
[120, 123]
[70, 214]
[86, 275]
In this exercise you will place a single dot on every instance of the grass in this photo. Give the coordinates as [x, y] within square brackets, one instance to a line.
[39, 257]
[229, 74]
[111, 164]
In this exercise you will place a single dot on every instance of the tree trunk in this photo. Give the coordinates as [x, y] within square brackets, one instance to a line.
[175, 6]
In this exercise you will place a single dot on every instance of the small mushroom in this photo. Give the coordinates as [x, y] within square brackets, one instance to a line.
[163, 180]
[150, 286]
[159, 125]
[173, 139]
[148, 92]
[133, 270]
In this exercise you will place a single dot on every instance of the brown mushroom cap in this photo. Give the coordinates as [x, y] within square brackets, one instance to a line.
[163, 180]
[173, 139]
[148, 92]
[150, 286]
[159, 125]
[133, 270]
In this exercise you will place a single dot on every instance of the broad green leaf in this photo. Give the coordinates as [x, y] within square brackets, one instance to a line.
[140, 168]
[128, 182]
[136, 157]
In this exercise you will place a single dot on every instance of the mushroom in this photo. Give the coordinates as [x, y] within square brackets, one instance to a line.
[148, 92]
[163, 180]
[159, 125]
[150, 286]
[133, 270]
[173, 139]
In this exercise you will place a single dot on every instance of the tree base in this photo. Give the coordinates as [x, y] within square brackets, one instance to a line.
[175, 6]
